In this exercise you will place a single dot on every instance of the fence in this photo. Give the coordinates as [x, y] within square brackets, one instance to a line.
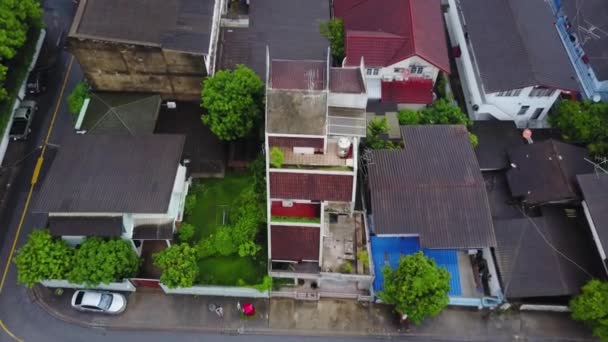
[125, 285]
[224, 291]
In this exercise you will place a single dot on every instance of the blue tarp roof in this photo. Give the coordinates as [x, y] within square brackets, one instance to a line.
[388, 250]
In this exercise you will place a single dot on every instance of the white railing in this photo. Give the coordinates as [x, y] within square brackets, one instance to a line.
[224, 291]
[125, 285]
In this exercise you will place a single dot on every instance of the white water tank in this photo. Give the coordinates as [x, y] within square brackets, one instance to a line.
[343, 147]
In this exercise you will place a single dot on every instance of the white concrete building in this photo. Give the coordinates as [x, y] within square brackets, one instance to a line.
[511, 61]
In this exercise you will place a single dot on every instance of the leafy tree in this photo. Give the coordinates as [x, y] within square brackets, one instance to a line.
[233, 100]
[375, 128]
[333, 30]
[206, 248]
[417, 287]
[443, 112]
[591, 307]
[249, 248]
[583, 122]
[224, 241]
[179, 265]
[104, 261]
[276, 157]
[440, 85]
[77, 97]
[3, 73]
[186, 232]
[409, 117]
[42, 257]
[16, 18]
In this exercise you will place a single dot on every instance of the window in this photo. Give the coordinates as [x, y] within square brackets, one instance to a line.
[537, 113]
[372, 71]
[399, 70]
[541, 91]
[416, 69]
[514, 92]
[376, 72]
[523, 110]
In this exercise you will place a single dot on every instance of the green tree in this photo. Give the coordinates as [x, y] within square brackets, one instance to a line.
[276, 157]
[409, 117]
[234, 102]
[186, 232]
[443, 112]
[591, 307]
[417, 287]
[16, 18]
[42, 257]
[333, 30]
[98, 261]
[249, 248]
[179, 265]
[376, 128]
[77, 97]
[583, 122]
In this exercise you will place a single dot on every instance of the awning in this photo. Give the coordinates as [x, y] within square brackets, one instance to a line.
[85, 225]
[413, 90]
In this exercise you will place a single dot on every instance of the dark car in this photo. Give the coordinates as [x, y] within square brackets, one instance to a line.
[36, 83]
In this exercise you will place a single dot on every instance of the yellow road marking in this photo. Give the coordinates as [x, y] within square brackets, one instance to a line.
[9, 332]
[35, 175]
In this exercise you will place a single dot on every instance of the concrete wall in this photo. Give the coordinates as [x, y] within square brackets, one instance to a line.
[512, 104]
[125, 285]
[224, 291]
[125, 67]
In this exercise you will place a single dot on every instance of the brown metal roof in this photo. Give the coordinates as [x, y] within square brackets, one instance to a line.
[85, 226]
[432, 188]
[111, 174]
[298, 74]
[294, 243]
[305, 186]
[346, 80]
[546, 171]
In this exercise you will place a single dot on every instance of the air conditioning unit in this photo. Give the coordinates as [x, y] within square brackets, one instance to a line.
[399, 78]
[287, 204]
[387, 78]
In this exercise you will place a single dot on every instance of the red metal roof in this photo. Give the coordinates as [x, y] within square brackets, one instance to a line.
[414, 90]
[303, 75]
[294, 243]
[396, 30]
[305, 186]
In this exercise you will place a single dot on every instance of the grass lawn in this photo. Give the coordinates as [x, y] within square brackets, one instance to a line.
[213, 197]
[227, 270]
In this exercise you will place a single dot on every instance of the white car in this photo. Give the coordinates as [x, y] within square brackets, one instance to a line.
[100, 302]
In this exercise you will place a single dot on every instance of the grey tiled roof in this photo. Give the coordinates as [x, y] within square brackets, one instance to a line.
[182, 25]
[516, 45]
[595, 191]
[529, 267]
[111, 174]
[432, 188]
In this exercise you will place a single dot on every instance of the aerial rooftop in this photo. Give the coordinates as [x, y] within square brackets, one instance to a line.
[180, 25]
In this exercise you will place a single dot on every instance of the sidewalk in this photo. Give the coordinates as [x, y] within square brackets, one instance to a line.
[149, 309]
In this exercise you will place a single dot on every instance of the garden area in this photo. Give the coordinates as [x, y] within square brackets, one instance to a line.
[222, 237]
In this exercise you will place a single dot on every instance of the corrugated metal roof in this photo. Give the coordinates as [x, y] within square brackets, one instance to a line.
[432, 188]
[595, 191]
[414, 90]
[85, 226]
[516, 45]
[495, 138]
[530, 267]
[310, 186]
[111, 174]
[182, 25]
[546, 171]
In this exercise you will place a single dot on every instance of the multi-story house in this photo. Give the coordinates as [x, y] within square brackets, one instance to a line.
[510, 59]
[402, 43]
[315, 116]
[581, 27]
[152, 46]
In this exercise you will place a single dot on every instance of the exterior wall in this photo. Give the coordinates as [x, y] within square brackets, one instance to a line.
[224, 291]
[479, 103]
[346, 100]
[373, 81]
[125, 67]
[297, 210]
[125, 285]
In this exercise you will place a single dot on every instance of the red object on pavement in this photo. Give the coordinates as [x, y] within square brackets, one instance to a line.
[248, 309]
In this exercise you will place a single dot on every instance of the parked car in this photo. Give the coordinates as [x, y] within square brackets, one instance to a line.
[99, 301]
[36, 83]
[22, 120]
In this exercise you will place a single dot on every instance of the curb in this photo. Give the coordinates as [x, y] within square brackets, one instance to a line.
[35, 297]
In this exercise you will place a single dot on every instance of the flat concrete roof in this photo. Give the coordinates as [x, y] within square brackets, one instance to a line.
[296, 112]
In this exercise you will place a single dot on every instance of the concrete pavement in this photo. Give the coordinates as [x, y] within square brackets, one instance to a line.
[152, 310]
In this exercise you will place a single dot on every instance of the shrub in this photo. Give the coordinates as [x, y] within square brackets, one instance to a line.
[206, 248]
[346, 268]
[99, 261]
[190, 203]
[265, 285]
[333, 30]
[591, 307]
[77, 97]
[440, 86]
[258, 172]
[363, 256]
[42, 257]
[376, 128]
[408, 117]
[179, 265]
[276, 157]
[224, 241]
[186, 232]
[473, 139]
[249, 248]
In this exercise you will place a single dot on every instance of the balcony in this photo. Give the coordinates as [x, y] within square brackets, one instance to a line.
[286, 211]
[326, 161]
[345, 245]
